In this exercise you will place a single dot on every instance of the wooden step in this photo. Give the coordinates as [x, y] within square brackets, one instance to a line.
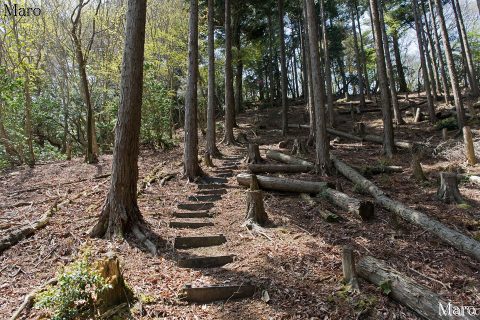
[192, 214]
[195, 206]
[199, 241]
[198, 197]
[190, 224]
[212, 180]
[228, 167]
[211, 186]
[224, 174]
[205, 262]
[216, 293]
[212, 192]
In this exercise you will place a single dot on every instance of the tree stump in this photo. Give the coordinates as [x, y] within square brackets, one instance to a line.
[242, 138]
[255, 210]
[118, 293]
[469, 149]
[207, 159]
[418, 116]
[417, 155]
[359, 129]
[299, 147]
[444, 134]
[448, 191]
[69, 151]
[348, 266]
[253, 155]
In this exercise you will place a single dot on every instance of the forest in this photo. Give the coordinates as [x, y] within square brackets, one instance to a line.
[226, 159]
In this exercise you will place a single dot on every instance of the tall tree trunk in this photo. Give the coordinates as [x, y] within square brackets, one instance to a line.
[322, 163]
[364, 58]
[388, 143]
[451, 66]
[328, 70]
[398, 63]
[428, 59]
[283, 65]
[239, 68]
[433, 53]
[211, 134]
[308, 77]
[357, 59]
[391, 78]
[272, 63]
[91, 156]
[190, 153]
[426, 80]
[474, 89]
[229, 96]
[120, 213]
[441, 62]
[28, 120]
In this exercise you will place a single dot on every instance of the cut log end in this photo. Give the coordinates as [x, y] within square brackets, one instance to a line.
[366, 210]
[448, 191]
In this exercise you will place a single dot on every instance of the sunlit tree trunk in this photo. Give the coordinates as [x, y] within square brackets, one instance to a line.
[357, 59]
[388, 145]
[328, 70]
[120, 213]
[426, 79]
[322, 163]
[190, 155]
[441, 62]
[391, 78]
[433, 52]
[398, 63]
[283, 66]
[451, 66]
[211, 134]
[308, 63]
[364, 57]
[467, 52]
[229, 96]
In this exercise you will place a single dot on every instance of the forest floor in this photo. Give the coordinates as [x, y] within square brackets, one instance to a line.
[299, 261]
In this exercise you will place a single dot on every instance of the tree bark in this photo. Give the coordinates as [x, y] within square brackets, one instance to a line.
[190, 156]
[308, 79]
[253, 155]
[441, 62]
[398, 63]
[239, 68]
[283, 184]
[255, 209]
[328, 70]
[358, 59]
[283, 66]
[229, 96]
[448, 191]
[469, 148]
[322, 163]
[451, 66]
[391, 78]
[423, 63]
[282, 157]
[91, 157]
[388, 142]
[448, 235]
[276, 168]
[120, 213]
[467, 52]
[403, 289]
[369, 137]
[211, 130]
[348, 267]
[363, 57]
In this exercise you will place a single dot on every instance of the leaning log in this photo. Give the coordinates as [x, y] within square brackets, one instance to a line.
[363, 209]
[282, 157]
[368, 137]
[453, 237]
[405, 290]
[283, 184]
[275, 168]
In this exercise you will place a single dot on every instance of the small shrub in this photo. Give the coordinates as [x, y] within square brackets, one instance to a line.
[75, 293]
[449, 123]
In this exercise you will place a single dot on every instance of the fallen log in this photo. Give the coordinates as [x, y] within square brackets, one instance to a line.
[370, 171]
[325, 214]
[282, 157]
[368, 137]
[450, 236]
[406, 291]
[363, 209]
[283, 184]
[275, 168]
